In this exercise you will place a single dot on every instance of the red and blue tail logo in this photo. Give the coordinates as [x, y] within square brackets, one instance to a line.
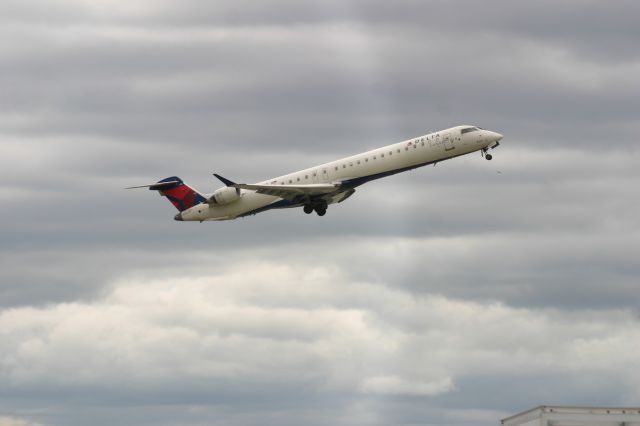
[181, 196]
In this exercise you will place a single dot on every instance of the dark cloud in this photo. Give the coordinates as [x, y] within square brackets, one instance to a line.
[392, 71]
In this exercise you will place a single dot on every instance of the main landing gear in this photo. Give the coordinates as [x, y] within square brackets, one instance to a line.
[320, 208]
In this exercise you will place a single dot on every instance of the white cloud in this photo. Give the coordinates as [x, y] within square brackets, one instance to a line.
[398, 386]
[15, 421]
[330, 332]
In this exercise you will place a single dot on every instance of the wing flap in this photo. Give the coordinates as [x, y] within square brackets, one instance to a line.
[290, 192]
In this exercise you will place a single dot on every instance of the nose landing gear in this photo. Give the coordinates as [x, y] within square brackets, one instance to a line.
[485, 154]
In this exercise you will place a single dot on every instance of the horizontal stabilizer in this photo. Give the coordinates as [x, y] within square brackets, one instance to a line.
[156, 185]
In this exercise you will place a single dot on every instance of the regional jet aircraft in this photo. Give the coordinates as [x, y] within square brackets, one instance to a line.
[315, 188]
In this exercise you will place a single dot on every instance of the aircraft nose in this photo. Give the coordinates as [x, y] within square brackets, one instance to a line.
[498, 136]
[178, 217]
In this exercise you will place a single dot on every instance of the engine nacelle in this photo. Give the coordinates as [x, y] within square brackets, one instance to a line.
[225, 196]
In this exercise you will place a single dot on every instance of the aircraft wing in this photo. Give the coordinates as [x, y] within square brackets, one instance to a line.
[291, 192]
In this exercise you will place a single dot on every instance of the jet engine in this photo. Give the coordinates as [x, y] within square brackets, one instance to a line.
[226, 195]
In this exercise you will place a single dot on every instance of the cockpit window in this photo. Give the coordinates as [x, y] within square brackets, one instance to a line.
[468, 129]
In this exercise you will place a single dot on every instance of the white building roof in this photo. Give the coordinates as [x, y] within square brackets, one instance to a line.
[556, 415]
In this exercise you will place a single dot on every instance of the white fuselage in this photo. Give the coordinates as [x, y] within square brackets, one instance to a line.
[360, 168]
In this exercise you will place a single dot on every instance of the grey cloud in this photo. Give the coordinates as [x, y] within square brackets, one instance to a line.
[524, 237]
[161, 84]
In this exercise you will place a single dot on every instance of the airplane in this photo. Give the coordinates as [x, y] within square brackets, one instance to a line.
[315, 188]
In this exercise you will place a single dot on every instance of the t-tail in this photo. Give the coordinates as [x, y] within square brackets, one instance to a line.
[181, 195]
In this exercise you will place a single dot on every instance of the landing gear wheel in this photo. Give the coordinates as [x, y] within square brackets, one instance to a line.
[308, 208]
[488, 156]
[321, 209]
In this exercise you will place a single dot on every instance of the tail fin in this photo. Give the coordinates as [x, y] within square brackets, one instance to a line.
[182, 196]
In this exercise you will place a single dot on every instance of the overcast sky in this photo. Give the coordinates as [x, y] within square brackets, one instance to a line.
[449, 295]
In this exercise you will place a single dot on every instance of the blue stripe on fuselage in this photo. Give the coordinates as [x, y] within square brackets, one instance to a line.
[346, 184]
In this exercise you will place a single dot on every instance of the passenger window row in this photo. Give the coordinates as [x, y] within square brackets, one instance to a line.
[415, 143]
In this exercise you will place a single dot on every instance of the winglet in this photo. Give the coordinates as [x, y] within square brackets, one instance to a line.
[224, 180]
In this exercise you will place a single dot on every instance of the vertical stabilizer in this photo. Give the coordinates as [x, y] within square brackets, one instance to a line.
[181, 195]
